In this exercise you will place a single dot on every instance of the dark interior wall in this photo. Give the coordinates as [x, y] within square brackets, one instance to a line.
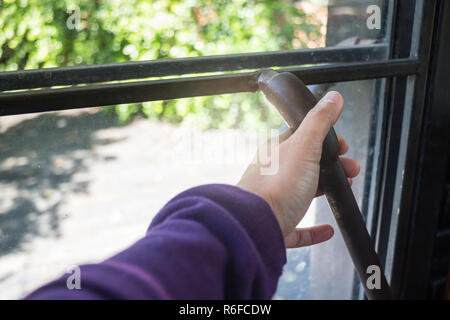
[427, 255]
[437, 156]
[440, 271]
[427, 263]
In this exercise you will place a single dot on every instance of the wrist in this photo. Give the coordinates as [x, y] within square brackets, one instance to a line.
[276, 211]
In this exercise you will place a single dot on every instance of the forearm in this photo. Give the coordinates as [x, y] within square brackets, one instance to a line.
[209, 242]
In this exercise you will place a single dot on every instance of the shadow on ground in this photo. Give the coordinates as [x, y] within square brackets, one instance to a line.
[38, 160]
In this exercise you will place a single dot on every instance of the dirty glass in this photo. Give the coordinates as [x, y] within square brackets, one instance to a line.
[80, 185]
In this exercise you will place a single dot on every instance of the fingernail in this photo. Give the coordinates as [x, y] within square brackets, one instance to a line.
[329, 233]
[334, 97]
[325, 234]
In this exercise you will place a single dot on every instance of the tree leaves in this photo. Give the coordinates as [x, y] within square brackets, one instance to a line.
[37, 34]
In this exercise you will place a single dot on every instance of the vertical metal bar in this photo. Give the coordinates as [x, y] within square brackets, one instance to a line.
[401, 47]
[426, 162]
[409, 129]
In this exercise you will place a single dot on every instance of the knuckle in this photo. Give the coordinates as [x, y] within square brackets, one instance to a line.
[311, 148]
[305, 238]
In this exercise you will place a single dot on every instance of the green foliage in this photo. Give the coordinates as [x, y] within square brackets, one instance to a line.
[34, 34]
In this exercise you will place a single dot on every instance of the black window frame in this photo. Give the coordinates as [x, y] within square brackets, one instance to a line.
[392, 207]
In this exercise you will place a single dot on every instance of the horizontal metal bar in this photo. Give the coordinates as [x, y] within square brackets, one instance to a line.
[48, 77]
[111, 94]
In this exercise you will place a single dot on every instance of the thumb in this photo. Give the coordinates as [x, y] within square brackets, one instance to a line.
[318, 121]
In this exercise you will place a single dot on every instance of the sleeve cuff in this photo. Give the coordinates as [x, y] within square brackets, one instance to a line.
[253, 213]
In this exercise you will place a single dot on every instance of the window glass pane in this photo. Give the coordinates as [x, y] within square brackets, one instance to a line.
[79, 186]
[53, 33]
[86, 183]
[366, 19]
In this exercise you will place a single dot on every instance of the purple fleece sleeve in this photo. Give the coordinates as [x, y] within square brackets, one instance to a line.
[209, 242]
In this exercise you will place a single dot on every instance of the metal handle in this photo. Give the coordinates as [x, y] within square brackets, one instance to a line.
[293, 100]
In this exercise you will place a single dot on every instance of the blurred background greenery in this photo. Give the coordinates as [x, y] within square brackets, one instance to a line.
[37, 34]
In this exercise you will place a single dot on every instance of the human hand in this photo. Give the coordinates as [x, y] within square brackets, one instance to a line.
[290, 191]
